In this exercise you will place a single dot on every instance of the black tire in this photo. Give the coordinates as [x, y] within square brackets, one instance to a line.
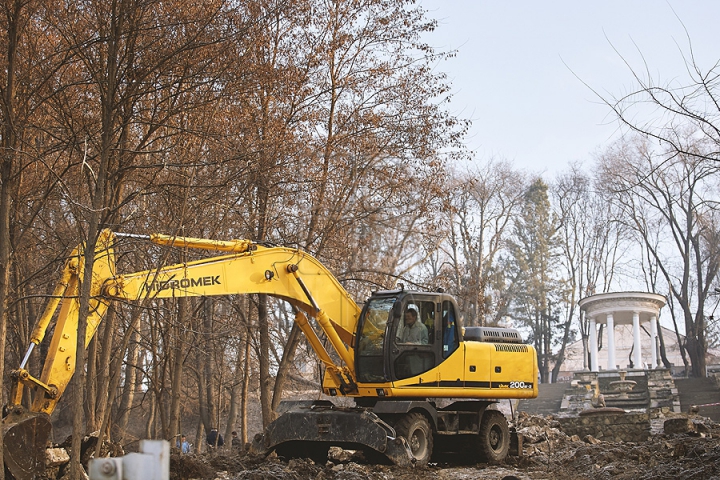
[494, 436]
[416, 430]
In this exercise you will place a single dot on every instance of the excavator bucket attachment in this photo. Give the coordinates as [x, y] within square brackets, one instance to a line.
[25, 438]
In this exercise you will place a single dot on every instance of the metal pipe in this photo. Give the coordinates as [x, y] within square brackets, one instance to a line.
[324, 322]
[132, 235]
[27, 356]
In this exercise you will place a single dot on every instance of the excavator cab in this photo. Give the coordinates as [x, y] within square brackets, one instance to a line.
[402, 334]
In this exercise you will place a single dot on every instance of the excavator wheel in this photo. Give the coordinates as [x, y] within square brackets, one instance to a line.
[25, 438]
[494, 436]
[416, 430]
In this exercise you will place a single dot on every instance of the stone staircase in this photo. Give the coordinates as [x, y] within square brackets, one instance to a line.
[548, 401]
[702, 392]
[631, 401]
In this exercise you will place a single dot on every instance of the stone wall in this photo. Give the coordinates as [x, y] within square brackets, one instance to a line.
[576, 399]
[656, 388]
[662, 390]
[609, 427]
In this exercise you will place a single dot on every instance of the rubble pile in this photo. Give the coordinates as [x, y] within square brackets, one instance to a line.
[686, 446]
[678, 446]
[541, 435]
[57, 456]
[683, 446]
[229, 467]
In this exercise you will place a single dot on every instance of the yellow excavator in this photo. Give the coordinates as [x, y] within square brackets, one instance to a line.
[400, 356]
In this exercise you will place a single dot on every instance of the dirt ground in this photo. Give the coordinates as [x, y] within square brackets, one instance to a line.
[548, 454]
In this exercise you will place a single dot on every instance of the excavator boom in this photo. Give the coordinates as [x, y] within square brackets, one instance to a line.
[280, 272]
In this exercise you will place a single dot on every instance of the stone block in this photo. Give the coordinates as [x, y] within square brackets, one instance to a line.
[678, 425]
[516, 444]
[54, 457]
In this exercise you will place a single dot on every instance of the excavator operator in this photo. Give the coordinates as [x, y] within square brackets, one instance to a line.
[413, 331]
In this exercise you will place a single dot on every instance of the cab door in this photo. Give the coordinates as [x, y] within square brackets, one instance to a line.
[415, 346]
[449, 333]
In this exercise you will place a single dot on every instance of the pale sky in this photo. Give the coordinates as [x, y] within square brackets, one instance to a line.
[515, 74]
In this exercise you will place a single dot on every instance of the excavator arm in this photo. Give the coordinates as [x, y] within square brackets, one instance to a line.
[248, 268]
[25, 433]
[243, 268]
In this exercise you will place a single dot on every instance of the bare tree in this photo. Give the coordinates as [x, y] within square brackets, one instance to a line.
[591, 244]
[344, 138]
[482, 203]
[27, 66]
[676, 107]
[671, 197]
[125, 92]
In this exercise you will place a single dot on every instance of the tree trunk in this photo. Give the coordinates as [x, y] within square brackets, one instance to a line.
[663, 352]
[177, 367]
[5, 174]
[151, 415]
[7, 178]
[265, 380]
[696, 352]
[207, 366]
[103, 372]
[245, 390]
[132, 374]
[681, 345]
[288, 359]
[200, 438]
[91, 386]
[237, 389]
[566, 337]
[5, 204]
[204, 411]
[80, 377]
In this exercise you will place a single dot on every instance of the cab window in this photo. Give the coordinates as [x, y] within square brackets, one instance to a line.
[417, 324]
[370, 360]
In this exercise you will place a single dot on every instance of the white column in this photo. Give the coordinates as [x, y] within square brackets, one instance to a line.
[593, 346]
[653, 339]
[611, 342]
[637, 352]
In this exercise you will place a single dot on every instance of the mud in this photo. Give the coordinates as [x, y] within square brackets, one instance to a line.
[548, 453]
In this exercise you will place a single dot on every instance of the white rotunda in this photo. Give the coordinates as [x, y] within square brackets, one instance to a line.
[624, 308]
